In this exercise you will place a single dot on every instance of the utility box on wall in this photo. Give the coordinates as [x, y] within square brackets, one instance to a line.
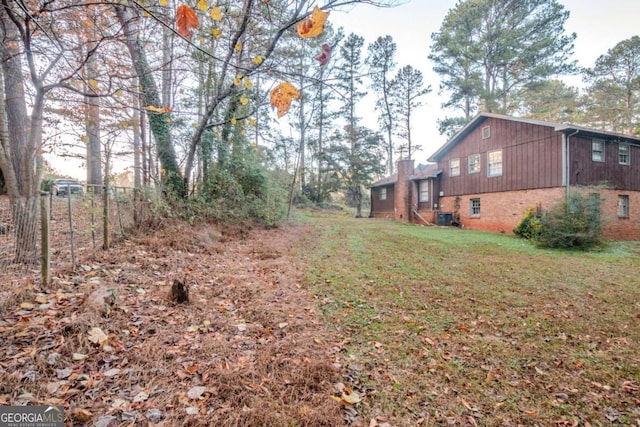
[444, 218]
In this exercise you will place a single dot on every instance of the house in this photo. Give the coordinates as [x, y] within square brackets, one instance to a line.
[497, 167]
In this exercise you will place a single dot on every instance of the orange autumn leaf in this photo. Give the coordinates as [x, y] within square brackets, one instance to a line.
[281, 97]
[325, 56]
[186, 20]
[158, 109]
[314, 25]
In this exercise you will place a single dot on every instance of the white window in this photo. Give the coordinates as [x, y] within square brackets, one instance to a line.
[623, 206]
[383, 193]
[474, 163]
[423, 191]
[475, 207]
[623, 154]
[454, 167]
[494, 163]
[597, 150]
[486, 132]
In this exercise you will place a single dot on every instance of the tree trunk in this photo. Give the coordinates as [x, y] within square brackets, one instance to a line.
[158, 122]
[15, 106]
[92, 126]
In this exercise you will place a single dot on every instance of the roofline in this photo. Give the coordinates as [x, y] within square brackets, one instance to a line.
[558, 127]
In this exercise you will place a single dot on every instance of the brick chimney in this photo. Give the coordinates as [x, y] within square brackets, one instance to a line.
[402, 200]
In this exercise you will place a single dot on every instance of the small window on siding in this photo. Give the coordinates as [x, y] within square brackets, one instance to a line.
[597, 150]
[623, 154]
[474, 163]
[623, 206]
[475, 207]
[383, 193]
[486, 132]
[494, 163]
[423, 191]
[454, 167]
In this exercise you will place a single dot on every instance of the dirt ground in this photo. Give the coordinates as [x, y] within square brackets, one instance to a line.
[110, 344]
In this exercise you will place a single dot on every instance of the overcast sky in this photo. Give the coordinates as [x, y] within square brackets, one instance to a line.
[599, 24]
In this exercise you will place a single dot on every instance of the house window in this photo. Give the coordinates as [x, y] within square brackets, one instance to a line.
[623, 154]
[486, 132]
[475, 207]
[423, 191]
[383, 193]
[494, 163]
[474, 163]
[623, 206]
[597, 150]
[454, 167]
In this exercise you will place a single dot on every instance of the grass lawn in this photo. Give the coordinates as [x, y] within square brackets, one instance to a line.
[454, 326]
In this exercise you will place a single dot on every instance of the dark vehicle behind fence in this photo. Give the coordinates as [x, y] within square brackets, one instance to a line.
[62, 187]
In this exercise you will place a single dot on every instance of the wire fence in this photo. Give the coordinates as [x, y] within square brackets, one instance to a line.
[75, 225]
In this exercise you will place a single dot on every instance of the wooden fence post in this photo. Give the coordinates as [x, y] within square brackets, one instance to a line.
[45, 262]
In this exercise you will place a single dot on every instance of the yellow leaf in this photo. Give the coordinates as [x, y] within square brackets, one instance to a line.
[164, 2]
[145, 14]
[93, 83]
[157, 109]
[258, 59]
[82, 415]
[118, 93]
[251, 121]
[84, 138]
[244, 100]
[234, 121]
[216, 14]
[247, 83]
[351, 398]
[314, 25]
[237, 81]
[203, 5]
[216, 33]
[238, 47]
[281, 97]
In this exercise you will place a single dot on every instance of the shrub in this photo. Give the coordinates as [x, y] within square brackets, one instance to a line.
[240, 192]
[572, 224]
[529, 226]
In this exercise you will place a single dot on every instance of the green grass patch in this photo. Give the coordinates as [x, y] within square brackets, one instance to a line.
[444, 325]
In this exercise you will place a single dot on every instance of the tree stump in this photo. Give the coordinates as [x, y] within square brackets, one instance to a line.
[179, 292]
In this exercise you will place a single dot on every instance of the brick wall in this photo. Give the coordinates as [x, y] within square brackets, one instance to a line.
[501, 212]
[613, 226]
[402, 190]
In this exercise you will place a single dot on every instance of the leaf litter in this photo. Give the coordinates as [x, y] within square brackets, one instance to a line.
[248, 349]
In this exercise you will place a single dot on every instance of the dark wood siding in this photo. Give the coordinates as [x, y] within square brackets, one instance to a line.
[531, 158]
[584, 171]
[378, 205]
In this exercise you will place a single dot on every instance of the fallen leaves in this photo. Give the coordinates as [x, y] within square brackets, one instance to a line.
[97, 336]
